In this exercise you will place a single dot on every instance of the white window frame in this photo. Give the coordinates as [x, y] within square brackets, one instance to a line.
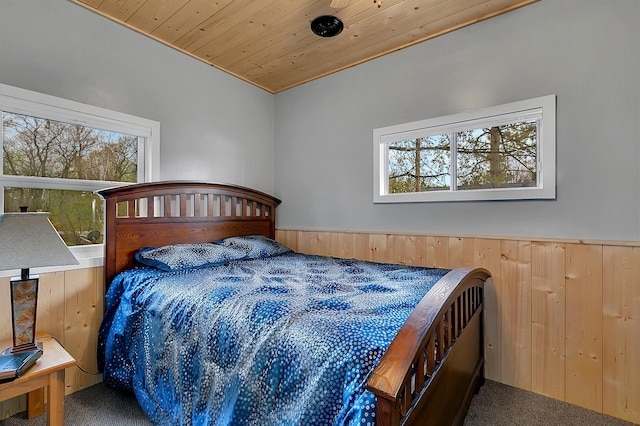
[22, 101]
[544, 107]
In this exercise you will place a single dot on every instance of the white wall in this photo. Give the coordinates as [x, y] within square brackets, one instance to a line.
[213, 126]
[587, 52]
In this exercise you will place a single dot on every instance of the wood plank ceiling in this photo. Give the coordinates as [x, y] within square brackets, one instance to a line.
[269, 42]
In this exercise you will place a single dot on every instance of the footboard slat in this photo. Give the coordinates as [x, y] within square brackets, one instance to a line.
[465, 308]
[407, 397]
[459, 310]
[431, 357]
[420, 370]
[440, 344]
[443, 334]
[446, 328]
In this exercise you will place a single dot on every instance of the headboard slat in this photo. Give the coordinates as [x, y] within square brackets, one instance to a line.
[210, 198]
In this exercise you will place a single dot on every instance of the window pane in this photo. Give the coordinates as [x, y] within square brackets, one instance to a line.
[498, 157]
[48, 148]
[420, 164]
[77, 215]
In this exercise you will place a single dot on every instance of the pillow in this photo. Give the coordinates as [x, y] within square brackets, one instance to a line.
[256, 246]
[185, 256]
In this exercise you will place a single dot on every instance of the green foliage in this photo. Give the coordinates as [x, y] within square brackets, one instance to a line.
[52, 149]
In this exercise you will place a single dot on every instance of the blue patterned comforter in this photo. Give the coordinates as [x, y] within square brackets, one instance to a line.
[286, 340]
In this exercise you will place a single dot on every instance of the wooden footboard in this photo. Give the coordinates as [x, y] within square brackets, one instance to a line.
[430, 371]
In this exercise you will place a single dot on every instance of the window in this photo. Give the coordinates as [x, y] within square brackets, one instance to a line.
[56, 152]
[498, 153]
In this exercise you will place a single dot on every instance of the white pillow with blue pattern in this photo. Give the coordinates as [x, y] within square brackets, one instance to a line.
[255, 246]
[176, 257]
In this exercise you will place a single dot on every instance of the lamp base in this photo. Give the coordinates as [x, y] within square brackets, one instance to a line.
[24, 298]
[26, 347]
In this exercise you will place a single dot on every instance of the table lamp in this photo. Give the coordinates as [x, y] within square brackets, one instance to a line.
[28, 240]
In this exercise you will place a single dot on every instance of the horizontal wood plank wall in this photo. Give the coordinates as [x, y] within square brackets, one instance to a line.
[562, 318]
[70, 308]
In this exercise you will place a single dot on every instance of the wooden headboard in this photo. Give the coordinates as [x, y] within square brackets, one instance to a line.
[172, 212]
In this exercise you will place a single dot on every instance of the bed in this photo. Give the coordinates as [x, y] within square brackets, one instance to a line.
[425, 372]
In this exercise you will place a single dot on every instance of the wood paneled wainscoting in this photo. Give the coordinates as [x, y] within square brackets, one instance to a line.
[562, 318]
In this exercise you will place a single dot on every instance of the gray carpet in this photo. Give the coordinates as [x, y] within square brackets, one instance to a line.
[496, 404]
[501, 405]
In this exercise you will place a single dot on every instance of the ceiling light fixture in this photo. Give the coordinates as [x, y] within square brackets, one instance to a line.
[326, 26]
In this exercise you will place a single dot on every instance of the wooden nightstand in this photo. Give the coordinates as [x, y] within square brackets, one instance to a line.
[48, 372]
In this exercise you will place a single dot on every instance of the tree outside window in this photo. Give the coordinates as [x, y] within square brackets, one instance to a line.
[493, 157]
[35, 147]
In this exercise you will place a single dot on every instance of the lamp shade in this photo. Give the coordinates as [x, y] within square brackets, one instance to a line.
[29, 240]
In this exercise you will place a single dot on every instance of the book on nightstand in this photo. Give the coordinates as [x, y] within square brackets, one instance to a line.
[13, 366]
